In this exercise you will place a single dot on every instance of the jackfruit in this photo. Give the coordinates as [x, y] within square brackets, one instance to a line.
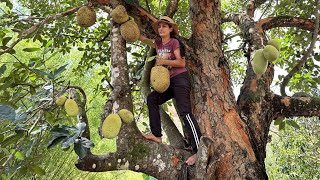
[126, 115]
[119, 14]
[259, 62]
[61, 100]
[275, 43]
[86, 16]
[270, 53]
[160, 78]
[71, 107]
[130, 31]
[111, 126]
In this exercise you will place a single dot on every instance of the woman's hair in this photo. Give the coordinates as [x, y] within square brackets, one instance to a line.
[182, 48]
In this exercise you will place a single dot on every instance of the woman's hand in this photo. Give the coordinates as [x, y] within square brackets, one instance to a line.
[159, 62]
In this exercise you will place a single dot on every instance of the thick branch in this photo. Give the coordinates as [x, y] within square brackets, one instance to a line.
[305, 56]
[172, 7]
[32, 29]
[285, 21]
[295, 106]
[158, 160]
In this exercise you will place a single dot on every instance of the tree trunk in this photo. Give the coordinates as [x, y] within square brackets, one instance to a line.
[231, 155]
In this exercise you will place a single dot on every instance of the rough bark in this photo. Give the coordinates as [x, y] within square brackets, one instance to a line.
[214, 101]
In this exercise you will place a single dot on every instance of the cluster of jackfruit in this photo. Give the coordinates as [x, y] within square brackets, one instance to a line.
[112, 124]
[70, 105]
[86, 16]
[160, 78]
[129, 29]
[262, 56]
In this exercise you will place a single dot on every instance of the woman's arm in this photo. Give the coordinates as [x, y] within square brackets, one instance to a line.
[178, 62]
[147, 41]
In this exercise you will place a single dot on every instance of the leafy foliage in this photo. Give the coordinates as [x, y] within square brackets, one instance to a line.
[294, 153]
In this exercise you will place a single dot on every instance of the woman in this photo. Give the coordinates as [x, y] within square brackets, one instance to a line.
[168, 50]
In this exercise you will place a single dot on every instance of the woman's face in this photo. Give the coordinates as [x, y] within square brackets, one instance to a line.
[164, 29]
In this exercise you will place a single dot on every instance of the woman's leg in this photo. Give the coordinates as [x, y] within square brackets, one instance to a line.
[181, 92]
[154, 100]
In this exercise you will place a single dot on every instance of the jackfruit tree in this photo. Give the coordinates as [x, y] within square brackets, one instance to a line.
[235, 125]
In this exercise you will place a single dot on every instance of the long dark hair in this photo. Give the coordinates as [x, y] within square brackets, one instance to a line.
[182, 47]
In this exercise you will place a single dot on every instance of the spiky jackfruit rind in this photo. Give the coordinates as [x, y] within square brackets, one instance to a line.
[130, 31]
[275, 43]
[126, 115]
[270, 53]
[61, 100]
[160, 78]
[71, 107]
[259, 62]
[119, 14]
[111, 126]
[86, 16]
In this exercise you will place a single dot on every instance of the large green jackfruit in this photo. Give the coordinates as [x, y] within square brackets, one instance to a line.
[126, 115]
[130, 31]
[111, 126]
[259, 62]
[270, 53]
[160, 78]
[275, 43]
[61, 100]
[119, 14]
[71, 107]
[86, 16]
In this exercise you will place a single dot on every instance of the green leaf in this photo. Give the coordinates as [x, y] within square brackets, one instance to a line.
[59, 131]
[60, 70]
[6, 40]
[40, 72]
[30, 49]
[69, 141]
[151, 58]
[293, 124]
[282, 125]
[86, 142]
[80, 150]
[277, 121]
[19, 155]
[55, 140]
[81, 126]
[38, 170]
[3, 68]
[49, 43]
[136, 54]
[40, 129]
[7, 113]
[13, 138]
[8, 3]
[50, 76]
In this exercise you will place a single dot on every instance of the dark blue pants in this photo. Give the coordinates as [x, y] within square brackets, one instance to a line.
[179, 89]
